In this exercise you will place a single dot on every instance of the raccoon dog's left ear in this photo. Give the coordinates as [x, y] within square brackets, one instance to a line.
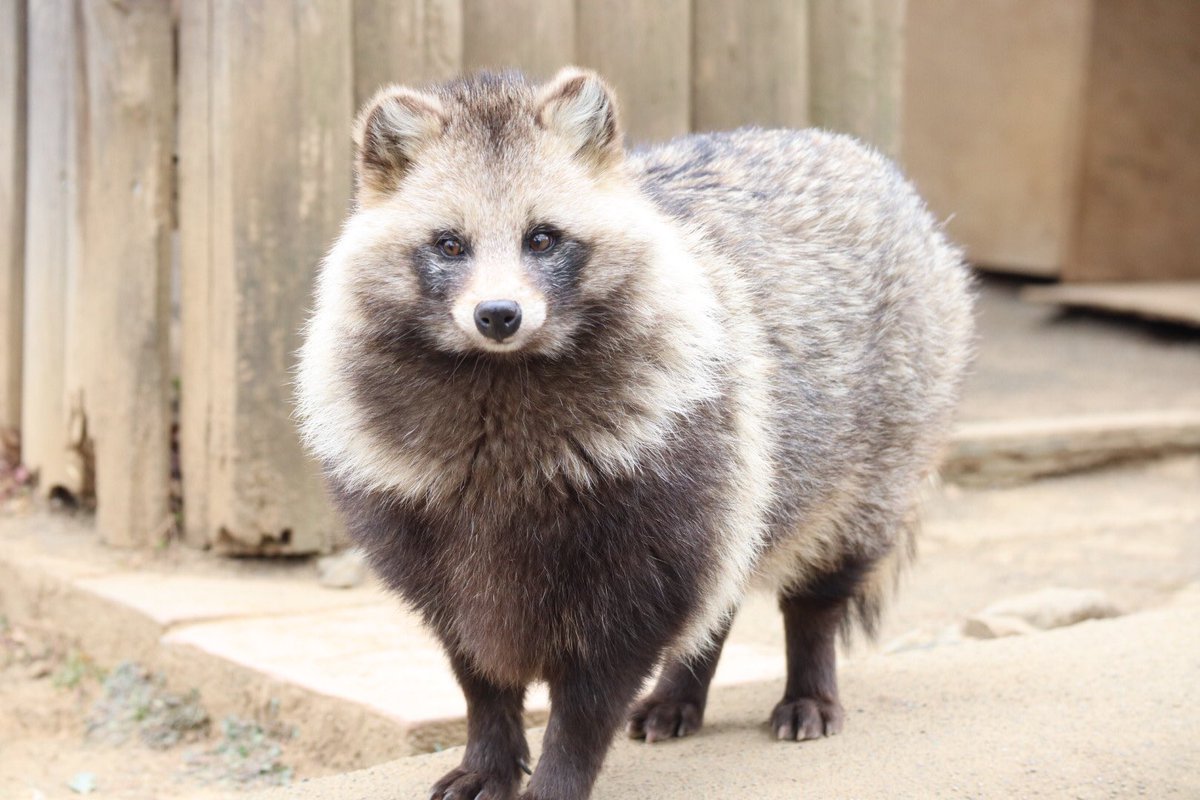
[393, 128]
[578, 106]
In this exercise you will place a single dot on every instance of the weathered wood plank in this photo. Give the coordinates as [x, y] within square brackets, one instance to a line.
[408, 41]
[51, 244]
[279, 103]
[645, 51]
[1176, 302]
[857, 66]
[991, 140]
[127, 148]
[1138, 218]
[536, 36]
[750, 65]
[13, 27]
[195, 233]
[1020, 450]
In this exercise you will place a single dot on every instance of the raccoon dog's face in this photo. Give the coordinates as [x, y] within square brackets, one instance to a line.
[492, 216]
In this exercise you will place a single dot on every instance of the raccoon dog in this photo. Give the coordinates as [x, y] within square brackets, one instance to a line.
[573, 401]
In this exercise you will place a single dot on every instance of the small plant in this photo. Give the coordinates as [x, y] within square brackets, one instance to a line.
[136, 701]
[248, 754]
[76, 668]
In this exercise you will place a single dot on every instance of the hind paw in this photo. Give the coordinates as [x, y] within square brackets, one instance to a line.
[807, 718]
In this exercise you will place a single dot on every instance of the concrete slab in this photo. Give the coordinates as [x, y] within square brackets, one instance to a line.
[377, 656]
[172, 599]
[1101, 709]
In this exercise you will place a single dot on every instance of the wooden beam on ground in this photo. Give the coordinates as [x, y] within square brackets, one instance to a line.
[267, 100]
[51, 246]
[750, 64]
[13, 27]
[1020, 450]
[1176, 302]
[411, 42]
[124, 284]
[535, 36]
[857, 52]
[645, 51]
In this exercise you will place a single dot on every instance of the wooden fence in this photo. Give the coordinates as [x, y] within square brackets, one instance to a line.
[171, 173]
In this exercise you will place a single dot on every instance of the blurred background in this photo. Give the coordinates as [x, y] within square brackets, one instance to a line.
[171, 173]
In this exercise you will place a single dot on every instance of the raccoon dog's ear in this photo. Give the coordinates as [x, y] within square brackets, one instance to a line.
[578, 106]
[390, 132]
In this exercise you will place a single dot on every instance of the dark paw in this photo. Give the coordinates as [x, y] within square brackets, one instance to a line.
[655, 719]
[463, 784]
[807, 718]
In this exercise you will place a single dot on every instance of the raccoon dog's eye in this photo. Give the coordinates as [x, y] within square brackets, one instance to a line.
[450, 246]
[542, 242]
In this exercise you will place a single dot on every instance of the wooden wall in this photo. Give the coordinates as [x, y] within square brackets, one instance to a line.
[228, 122]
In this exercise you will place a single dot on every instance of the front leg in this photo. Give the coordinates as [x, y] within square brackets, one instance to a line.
[587, 704]
[496, 751]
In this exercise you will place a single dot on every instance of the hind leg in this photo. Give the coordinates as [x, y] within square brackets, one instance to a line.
[812, 617]
[676, 705]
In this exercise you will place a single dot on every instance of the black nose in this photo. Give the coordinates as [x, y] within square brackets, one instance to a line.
[498, 319]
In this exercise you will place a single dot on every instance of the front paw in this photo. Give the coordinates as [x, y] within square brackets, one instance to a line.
[807, 718]
[656, 719]
[465, 784]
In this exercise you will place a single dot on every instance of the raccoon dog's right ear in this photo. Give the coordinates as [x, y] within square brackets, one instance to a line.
[578, 106]
[390, 132]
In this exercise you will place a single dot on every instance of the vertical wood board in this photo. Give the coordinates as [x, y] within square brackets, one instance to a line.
[750, 64]
[125, 266]
[535, 36]
[410, 42]
[50, 242]
[278, 158]
[856, 51]
[645, 51]
[13, 28]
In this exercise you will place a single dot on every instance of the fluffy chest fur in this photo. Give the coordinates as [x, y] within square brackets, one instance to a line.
[527, 578]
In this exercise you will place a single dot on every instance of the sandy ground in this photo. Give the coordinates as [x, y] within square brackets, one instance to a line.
[71, 727]
[1105, 709]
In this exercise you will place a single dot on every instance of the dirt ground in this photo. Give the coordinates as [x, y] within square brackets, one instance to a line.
[70, 727]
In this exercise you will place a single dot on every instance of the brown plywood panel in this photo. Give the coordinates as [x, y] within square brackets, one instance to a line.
[992, 102]
[1139, 218]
